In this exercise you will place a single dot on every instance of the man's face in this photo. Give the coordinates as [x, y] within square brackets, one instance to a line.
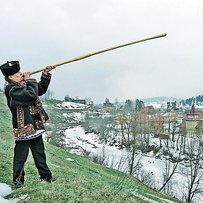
[17, 77]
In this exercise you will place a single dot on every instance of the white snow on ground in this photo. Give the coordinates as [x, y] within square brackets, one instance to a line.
[162, 199]
[89, 142]
[156, 105]
[2, 200]
[76, 139]
[76, 116]
[72, 105]
[4, 191]
[71, 160]
[135, 193]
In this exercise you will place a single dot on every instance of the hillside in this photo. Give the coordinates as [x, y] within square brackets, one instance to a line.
[160, 99]
[77, 178]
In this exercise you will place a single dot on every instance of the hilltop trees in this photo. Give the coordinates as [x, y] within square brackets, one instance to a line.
[192, 100]
[129, 105]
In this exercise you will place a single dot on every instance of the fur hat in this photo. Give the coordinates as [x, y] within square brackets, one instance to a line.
[10, 68]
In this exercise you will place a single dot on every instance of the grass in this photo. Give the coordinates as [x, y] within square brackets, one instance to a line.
[78, 181]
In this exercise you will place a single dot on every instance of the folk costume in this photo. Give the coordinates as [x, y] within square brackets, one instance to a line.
[28, 118]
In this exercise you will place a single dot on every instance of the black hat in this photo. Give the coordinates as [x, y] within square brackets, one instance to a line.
[10, 68]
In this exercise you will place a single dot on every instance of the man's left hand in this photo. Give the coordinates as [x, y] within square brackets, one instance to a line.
[48, 69]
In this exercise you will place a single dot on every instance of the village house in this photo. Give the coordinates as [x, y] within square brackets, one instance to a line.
[192, 122]
[150, 121]
[79, 101]
[108, 106]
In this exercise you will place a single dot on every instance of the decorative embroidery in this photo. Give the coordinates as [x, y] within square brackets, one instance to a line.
[39, 125]
[29, 137]
[32, 110]
[23, 132]
[42, 117]
[36, 108]
[20, 117]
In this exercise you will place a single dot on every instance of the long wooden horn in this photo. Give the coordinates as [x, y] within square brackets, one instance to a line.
[99, 52]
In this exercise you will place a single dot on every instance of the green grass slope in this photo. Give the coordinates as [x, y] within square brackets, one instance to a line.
[77, 181]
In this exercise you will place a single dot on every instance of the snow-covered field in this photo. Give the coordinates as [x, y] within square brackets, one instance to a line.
[76, 117]
[148, 165]
[78, 141]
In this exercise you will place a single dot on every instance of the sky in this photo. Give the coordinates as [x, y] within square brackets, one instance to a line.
[40, 33]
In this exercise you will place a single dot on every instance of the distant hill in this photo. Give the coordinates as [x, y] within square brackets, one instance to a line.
[160, 99]
[151, 100]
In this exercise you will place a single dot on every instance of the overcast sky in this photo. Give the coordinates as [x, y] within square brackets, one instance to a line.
[45, 32]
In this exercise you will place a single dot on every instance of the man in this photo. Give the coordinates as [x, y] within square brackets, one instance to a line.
[28, 118]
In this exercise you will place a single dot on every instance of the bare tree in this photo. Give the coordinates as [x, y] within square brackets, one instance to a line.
[194, 176]
[123, 121]
[132, 155]
[133, 143]
[170, 169]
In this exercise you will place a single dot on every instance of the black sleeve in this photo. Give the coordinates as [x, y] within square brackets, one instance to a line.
[23, 96]
[44, 83]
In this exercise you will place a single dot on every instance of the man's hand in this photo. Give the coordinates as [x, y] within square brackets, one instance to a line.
[48, 69]
[26, 75]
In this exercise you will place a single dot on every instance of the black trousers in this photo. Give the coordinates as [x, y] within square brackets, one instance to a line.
[21, 152]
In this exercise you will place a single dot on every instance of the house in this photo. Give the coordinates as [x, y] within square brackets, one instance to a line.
[80, 101]
[107, 103]
[192, 122]
[108, 106]
[148, 110]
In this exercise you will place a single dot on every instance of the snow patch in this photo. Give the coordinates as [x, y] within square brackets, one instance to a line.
[136, 194]
[69, 159]
[72, 105]
[76, 139]
[57, 166]
[75, 116]
[4, 191]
